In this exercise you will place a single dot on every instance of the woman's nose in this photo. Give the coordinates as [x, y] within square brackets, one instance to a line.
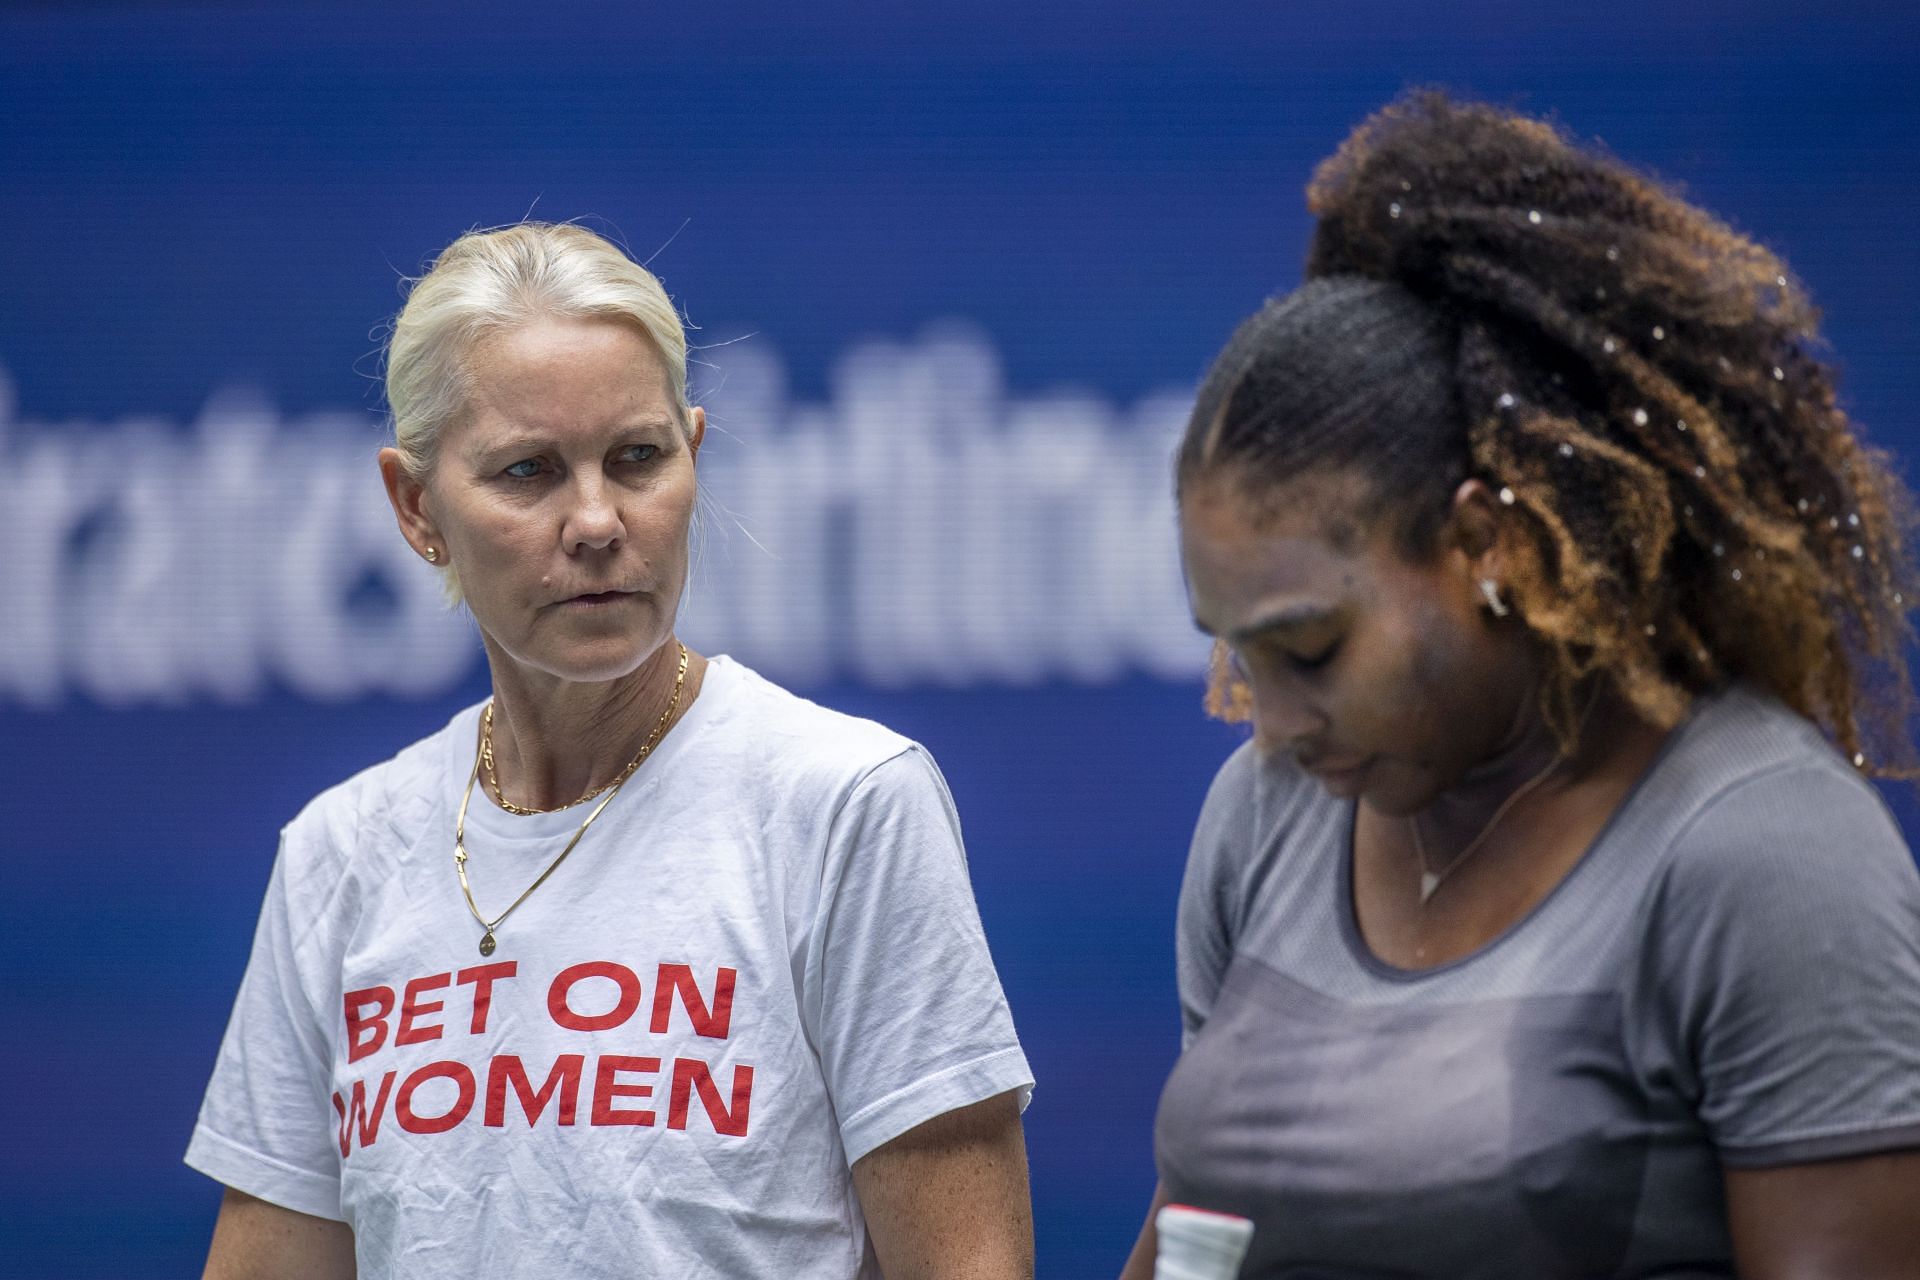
[594, 522]
[1284, 719]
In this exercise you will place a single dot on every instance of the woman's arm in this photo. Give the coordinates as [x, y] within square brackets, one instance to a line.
[254, 1240]
[948, 1198]
[1147, 1247]
[1851, 1219]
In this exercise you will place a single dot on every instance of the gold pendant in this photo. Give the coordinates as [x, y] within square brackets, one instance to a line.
[486, 943]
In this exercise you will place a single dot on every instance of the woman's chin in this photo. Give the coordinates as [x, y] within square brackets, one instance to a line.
[595, 663]
[1392, 798]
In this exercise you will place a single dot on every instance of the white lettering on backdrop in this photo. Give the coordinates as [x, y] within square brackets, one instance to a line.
[922, 527]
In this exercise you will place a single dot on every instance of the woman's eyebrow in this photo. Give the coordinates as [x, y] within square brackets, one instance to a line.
[1291, 617]
[1287, 617]
[520, 442]
[523, 443]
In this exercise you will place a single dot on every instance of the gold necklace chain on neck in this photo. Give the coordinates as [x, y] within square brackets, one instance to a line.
[1430, 880]
[611, 789]
[492, 776]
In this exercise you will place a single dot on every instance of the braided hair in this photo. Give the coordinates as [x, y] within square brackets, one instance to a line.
[1642, 387]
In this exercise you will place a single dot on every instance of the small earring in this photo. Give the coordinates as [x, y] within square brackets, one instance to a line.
[1495, 604]
[433, 555]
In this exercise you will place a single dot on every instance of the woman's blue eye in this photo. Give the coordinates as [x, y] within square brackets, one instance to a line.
[642, 452]
[526, 469]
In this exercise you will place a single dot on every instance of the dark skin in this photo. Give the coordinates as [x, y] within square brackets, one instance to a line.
[1393, 680]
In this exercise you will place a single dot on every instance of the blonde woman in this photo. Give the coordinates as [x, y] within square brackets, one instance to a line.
[643, 966]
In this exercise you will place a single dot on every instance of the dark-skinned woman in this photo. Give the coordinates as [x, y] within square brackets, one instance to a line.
[1549, 925]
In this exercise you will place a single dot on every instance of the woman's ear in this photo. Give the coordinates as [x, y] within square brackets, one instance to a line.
[409, 499]
[1474, 529]
[696, 429]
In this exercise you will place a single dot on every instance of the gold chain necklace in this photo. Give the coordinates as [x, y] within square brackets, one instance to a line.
[612, 789]
[1430, 880]
[493, 778]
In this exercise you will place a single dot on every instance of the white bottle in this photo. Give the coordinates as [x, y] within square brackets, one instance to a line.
[1198, 1244]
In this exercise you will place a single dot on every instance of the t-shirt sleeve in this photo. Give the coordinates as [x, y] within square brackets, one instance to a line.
[904, 1005]
[1208, 914]
[264, 1123]
[1788, 930]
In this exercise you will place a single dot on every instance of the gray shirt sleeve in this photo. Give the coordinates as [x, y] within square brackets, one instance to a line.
[1785, 943]
[1209, 908]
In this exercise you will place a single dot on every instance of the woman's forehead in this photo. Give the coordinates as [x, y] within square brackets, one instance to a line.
[1337, 508]
[565, 353]
[1288, 553]
[546, 380]
[1246, 573]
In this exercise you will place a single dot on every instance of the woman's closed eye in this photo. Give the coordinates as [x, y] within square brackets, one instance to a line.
[1274, 656]
[1313, 660]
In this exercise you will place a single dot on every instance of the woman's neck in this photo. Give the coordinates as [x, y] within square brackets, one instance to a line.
[1528, 756]
[556, 740]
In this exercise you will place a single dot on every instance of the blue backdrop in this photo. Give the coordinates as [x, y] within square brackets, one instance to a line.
[953, 272]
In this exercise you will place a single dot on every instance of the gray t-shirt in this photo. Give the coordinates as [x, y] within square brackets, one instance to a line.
[1729, 977]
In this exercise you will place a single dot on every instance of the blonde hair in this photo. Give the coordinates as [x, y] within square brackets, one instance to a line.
[489, 281]
[486, 282]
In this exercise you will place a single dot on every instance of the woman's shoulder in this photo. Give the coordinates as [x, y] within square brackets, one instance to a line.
[383, 800]
[1741, 743]
[1783, 941]
[1740, 731]
[1262, 813]
[759, 725]
[1253, 792]
[1764, 803]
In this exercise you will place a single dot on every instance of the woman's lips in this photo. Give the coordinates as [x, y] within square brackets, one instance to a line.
[596, 598]
[1342, 780]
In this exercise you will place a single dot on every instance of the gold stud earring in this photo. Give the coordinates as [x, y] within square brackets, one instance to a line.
[433, 555]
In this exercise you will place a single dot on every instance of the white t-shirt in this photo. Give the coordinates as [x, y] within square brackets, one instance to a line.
[762, 962]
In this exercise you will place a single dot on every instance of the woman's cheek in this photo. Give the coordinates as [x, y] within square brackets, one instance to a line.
[1429, 689]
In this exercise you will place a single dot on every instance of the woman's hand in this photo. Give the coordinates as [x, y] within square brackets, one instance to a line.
[254, 1240]
[948, 1199]
[1852, 1219]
